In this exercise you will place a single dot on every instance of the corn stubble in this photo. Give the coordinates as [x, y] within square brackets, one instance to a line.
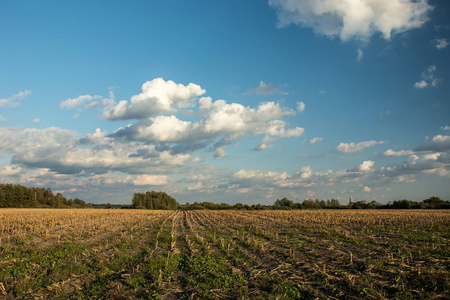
[136, 254]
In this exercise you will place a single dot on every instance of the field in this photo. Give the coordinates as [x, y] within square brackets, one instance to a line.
[142, 254]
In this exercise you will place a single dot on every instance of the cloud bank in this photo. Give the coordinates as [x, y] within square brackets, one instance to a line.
[353, 19]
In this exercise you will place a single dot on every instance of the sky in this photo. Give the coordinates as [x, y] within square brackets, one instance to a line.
[227, 101]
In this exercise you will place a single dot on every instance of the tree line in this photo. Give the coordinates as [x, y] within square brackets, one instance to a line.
[19, 196]
[286, 204]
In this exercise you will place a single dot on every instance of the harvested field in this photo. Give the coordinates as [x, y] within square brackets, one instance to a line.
[142, 254]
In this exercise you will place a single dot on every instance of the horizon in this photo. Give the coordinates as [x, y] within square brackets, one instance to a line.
[228, 101]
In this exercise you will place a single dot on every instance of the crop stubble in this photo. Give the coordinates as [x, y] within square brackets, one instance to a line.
[126, 254]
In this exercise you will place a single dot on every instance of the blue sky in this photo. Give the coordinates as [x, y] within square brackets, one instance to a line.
[227, 101]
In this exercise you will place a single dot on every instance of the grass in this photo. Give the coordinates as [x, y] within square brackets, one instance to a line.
[138, 254]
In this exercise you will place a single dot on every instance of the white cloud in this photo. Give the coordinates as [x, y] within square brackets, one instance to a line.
[366, 166]
[405, 179]
[300, 106]
[266, 88]
[14, 100]
[164, 129]
[316, 140]
[445, 127]
[152, 180]
[305, 172]
[392, 153]
[64, 152]
[230, 122]
[428, 78]
[420, 84]
[360, 55]
[108, 102]
[366, 189]
[157, 97]
[267, 177]
[10, 170]
[263, 146]
[196, 159]
[196, 187]
[407, 171]
[440, 138]
[441, 43]
[37, 120]
[220, 153]
[71, 103]
[358, 19]
[303, 178]
[352, 147]
[2, 118]
[439, 143]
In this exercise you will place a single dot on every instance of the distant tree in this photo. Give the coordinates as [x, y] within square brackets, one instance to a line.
[154, 200]
[436, 202]
[310, 204]
[239, 206]
[284, 203]
[334, 203]
[402, 204]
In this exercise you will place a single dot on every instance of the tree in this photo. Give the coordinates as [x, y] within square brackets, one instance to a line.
[22, 196]
[335, 203]
[154, 200]
[284, 203]
[436, 202]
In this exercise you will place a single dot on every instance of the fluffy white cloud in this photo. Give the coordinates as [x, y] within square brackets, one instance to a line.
[441, 43]
[157, 97]
[366, 166]
[152, 180]
[392, 153]
[62, 151]
[349, 19]
[305, 172]
[300, 106]
[14, 100]
[74, 102]
[352, 147]
[316, 140]
[440, 139]
[230, 122]
[439, 143]
[266, 88]
[445, 127]
[420, 84]
[163, 129]
[10, 170]
[220, 152]
[407, 171]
